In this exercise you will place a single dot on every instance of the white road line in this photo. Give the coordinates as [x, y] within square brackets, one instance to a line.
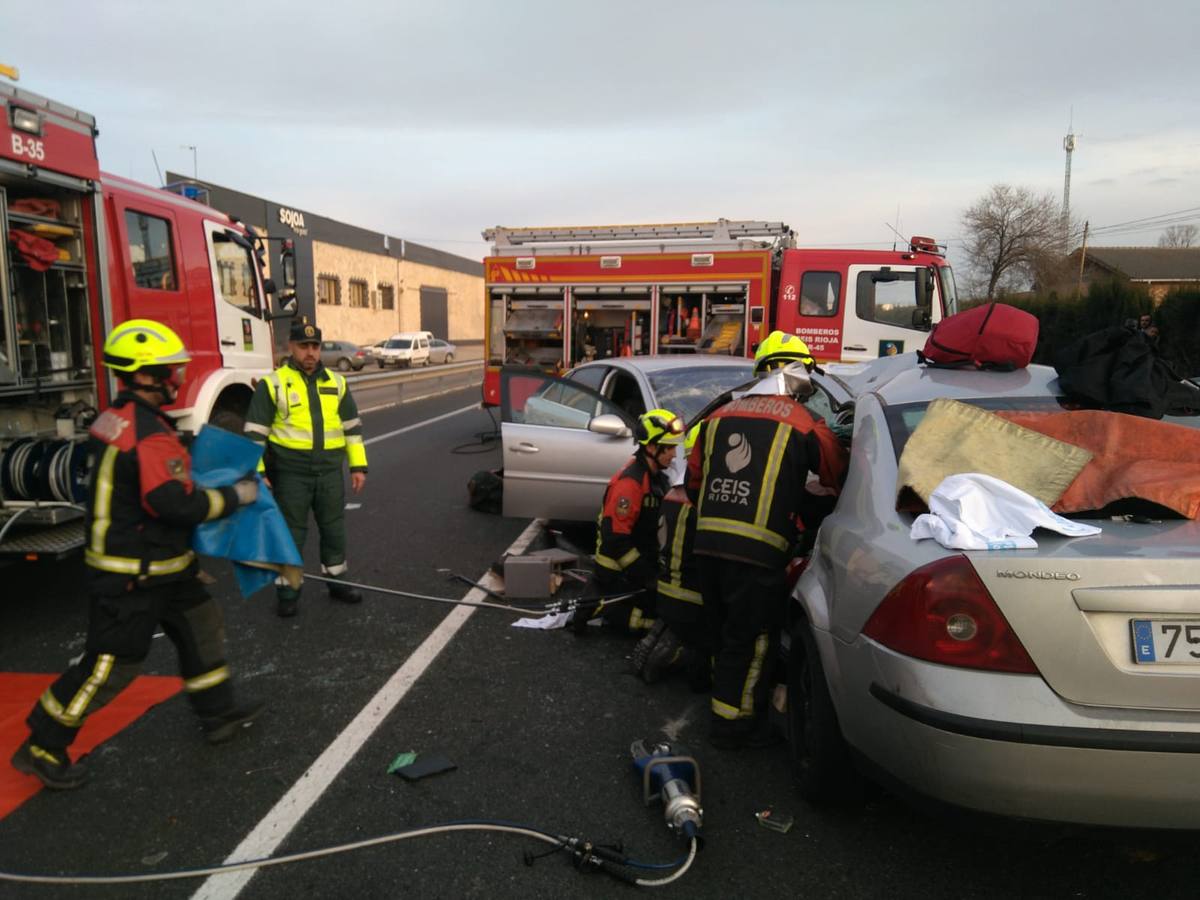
[265, 839]
[457, 412]
[394, 403]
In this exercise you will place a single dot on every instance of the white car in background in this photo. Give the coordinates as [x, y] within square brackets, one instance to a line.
[405, 350]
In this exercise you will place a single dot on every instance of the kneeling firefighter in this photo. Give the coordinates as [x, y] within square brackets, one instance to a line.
[627, 535]
[747, 475]
[141, 572]
[679, 640]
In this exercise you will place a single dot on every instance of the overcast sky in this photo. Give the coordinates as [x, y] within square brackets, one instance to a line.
[432, 121]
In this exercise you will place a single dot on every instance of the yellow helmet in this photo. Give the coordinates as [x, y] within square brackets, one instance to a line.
[659, 426]
[778, 350]
[139, 343]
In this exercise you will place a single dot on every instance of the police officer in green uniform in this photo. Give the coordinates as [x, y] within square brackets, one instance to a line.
[307, 418]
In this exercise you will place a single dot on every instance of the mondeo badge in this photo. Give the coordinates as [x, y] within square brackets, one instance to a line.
[1041, 576]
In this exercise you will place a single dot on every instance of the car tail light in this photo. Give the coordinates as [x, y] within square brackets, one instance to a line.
[943, 613]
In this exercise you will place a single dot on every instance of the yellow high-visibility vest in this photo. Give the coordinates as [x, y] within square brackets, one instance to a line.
[293, 424]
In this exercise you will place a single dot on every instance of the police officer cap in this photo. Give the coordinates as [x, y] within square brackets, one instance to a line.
[305, 332]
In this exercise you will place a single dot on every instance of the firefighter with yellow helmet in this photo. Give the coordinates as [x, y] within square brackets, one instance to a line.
[627, 537]
[746, 477]
[141, 572]
[308, 422]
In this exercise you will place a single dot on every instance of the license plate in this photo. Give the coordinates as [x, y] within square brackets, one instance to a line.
[1166, 641]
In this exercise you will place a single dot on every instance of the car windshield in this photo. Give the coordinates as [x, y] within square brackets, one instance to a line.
[687, 390]
[399, 344]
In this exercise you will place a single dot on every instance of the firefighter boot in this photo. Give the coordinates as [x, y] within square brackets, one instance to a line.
[344, 592]
[52, 767]
[656, 653]
[223, 726]
[287, 601]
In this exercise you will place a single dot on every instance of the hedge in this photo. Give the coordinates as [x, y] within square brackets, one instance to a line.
[1062, 319]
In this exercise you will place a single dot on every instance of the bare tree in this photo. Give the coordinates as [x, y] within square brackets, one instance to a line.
[1011, 232]
[1179, 236]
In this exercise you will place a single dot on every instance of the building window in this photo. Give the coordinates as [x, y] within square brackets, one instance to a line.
[150, 251]
[329, 290]
[359, 298]
[387, 296]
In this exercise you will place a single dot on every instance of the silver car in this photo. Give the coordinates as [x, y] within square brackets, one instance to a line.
[441, 351]
[1004, 681]
[564, 438]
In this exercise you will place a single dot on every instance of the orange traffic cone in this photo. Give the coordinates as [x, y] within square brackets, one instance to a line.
[693, 330]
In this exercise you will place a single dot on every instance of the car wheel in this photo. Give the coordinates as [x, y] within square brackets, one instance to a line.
[449, 359]
[820, 758]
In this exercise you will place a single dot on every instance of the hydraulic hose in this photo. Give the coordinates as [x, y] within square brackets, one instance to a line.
[559, 842]
[545, 608]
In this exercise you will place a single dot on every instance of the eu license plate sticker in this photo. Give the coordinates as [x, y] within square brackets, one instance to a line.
[1166, 641]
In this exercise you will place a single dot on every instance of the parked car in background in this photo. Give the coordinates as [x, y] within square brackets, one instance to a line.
[1058, 683]
[441, 351]
[405, 349]
[564, 438]
[342, 355]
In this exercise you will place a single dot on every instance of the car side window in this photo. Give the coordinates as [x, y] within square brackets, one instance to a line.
[537, 399]
[819, 405]
[625, 393]
[590, 376]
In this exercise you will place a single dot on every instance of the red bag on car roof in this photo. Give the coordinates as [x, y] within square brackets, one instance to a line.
[992, 336]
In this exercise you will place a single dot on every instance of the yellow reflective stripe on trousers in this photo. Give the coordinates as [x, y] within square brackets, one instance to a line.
[753, 674]
[54, 709]
[216, 504]
[677, 545]
[742, 529]
[680, 593]
[618, 565]
[207, 680]
[724, 710]
[766, 494]
[102, 511]
[125, 565]
[100, 672]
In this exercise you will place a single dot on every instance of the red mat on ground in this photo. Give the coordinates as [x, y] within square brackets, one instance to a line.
[20, 690]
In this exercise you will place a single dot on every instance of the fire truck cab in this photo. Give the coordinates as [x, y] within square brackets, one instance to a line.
[83, 251]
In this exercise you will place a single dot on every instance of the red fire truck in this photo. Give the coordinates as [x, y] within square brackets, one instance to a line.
[81, 252]
[559, 296]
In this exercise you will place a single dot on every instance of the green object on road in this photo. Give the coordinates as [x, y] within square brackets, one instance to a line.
[404, 759]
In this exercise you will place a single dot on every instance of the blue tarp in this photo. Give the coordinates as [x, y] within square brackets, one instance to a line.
[255, 533]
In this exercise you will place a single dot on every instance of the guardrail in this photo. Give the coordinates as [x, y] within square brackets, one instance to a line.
[379, 379]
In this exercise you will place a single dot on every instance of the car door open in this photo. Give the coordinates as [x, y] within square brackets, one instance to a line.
[556, 464]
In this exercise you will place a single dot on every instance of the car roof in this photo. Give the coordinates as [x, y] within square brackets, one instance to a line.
[902, 379]
[650, 364]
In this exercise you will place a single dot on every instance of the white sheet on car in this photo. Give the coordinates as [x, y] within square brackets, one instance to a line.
[978, 512]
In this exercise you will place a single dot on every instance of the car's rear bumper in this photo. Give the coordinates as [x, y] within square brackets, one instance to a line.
[1007, 744]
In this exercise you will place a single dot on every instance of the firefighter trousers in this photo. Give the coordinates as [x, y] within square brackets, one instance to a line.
[634, 615]
[745, 607]
[120, 631]
[297, 490]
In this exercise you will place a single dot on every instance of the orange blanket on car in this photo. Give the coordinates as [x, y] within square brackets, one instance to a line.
[1131, 457]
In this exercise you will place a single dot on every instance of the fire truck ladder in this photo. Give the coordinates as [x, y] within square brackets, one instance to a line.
[723, 232]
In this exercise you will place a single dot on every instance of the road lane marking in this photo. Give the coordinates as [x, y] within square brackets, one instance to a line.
[394, 403]
[266, 837]
[406, 428]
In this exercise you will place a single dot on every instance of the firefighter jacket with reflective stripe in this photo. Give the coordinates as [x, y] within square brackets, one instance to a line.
[307, 419]
[746, 475]
[678, 575]
[142, 504]
[627, 539]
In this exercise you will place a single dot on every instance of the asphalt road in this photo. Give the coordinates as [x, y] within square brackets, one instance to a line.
[538, 723]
